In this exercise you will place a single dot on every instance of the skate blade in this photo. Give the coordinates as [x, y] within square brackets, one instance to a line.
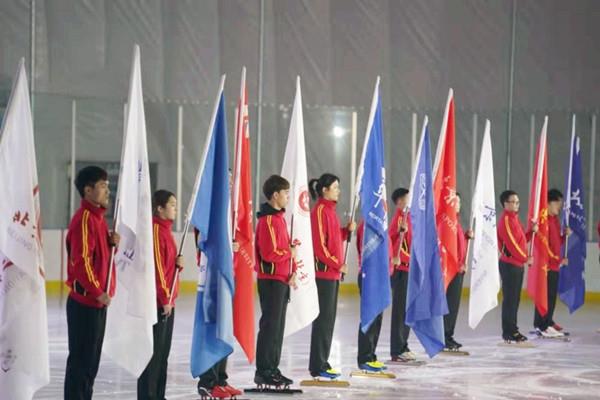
[557, 339]
[413, 363]
[368, 374]
[325, 383]
[273, 390]
[456, 353]
[522, 345]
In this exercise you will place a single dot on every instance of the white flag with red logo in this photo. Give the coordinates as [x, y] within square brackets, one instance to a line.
[24, 366]
[304, 301]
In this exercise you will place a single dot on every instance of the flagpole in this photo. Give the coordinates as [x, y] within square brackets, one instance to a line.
[358, 178]
[117, 202]
[197, 184]
[569, 178]
[538, 180]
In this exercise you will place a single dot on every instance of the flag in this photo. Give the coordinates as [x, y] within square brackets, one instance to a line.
[23, 320]
[375, 295]
[485, 275]
[243, 233]
[209, 212]
[129, 338]
[304, 300]
[571, 281]
[537, 282]
[444, 192]
[426, 300]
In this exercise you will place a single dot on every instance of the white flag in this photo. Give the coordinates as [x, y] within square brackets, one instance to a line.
[132, 313]
[485, 276]
[24, 366]
[304, 301]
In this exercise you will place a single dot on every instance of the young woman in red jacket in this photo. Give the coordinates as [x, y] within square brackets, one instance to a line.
[327, 237]
[153, 381]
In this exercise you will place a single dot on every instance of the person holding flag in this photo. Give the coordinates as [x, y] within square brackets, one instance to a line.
[571, 281]
[544, 325]
[454, 290]
[276, 270]
[153, 381]
[426, 300]
[373, 246]
[401, 240]
[88, 248]
[327, 238]
[210, 213]
[512, 245]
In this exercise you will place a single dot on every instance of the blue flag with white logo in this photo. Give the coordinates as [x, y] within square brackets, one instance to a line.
[571, 281]
[426, 301]
[212, 338]
[375, 293]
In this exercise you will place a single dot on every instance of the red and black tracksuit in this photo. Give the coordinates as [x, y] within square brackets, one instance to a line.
[454, 290]
[153, 381]
[327, 236]
[400, 242]
[274, 267]
[512, 244]
[89, 253]
[555, 242]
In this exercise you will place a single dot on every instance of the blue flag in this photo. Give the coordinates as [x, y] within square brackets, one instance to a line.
[212, 338]
[375, 294]
[571, 282]
[426, 301]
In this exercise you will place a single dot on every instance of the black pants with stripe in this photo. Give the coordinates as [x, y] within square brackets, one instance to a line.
[322, 327]
[274, 296]
[512, 282]
[152, 384]
[453, 298]
[544, 322]
[399, 330]
[367, 341]
[85, 327]
[215, 376]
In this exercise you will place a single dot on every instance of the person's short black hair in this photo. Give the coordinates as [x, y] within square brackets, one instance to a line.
[398, 194]
[554, 195]
[505, 196]
[160, 198]
[89, 176]
[273, 184]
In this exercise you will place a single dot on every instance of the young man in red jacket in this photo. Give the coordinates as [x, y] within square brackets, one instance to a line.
[153, 381]
[276, 272]
[88, 247]
[545, 326]
[512, 244]
[400, 233]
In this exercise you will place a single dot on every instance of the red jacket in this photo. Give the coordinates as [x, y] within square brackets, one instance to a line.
[555, 242]
[512, 241]
[395, 234]
[272, 245]
[461, 242]
[165, 256]
[88, 255]
[327, 239]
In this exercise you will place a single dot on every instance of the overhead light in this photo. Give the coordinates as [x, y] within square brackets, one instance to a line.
[338, 131]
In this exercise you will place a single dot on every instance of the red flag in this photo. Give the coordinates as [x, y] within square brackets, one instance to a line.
[243, 259]
[444, 192]
[537, 284]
